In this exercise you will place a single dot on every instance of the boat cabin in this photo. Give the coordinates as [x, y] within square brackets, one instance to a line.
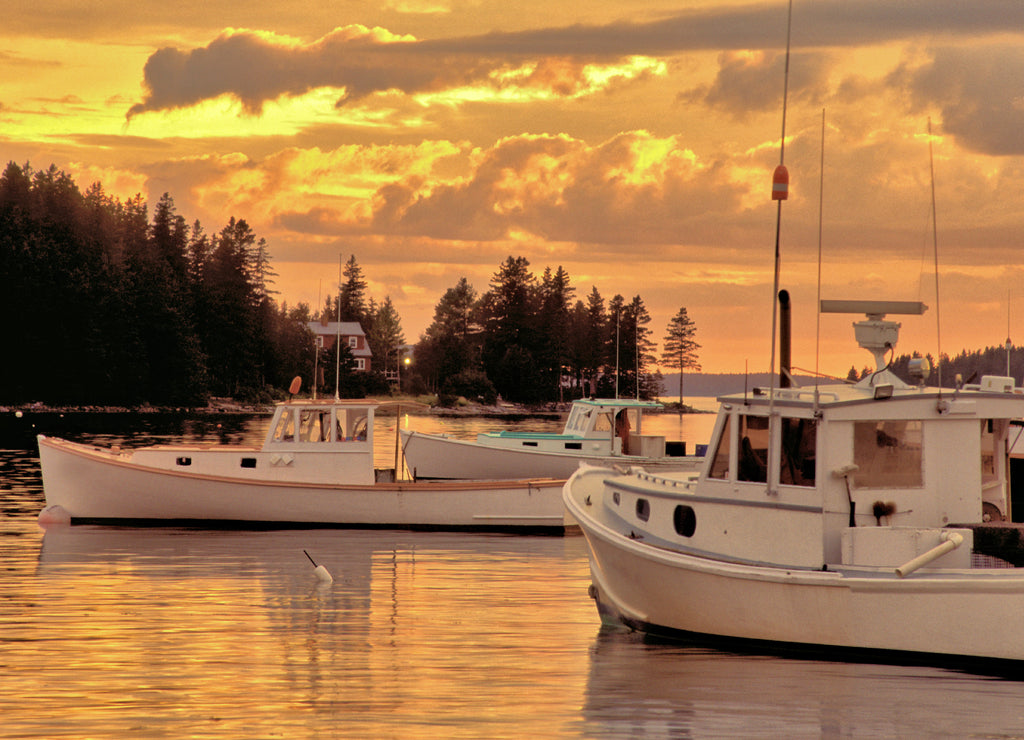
[595, 426]
[798, 476]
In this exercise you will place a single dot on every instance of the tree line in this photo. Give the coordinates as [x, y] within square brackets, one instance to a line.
[529, 340]
[110, 306]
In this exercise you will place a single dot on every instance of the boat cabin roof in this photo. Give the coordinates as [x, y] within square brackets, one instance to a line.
[617, 403]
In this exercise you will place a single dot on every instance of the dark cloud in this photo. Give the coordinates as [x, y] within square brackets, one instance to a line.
[256, 68]
[979, 91]
[753, 83]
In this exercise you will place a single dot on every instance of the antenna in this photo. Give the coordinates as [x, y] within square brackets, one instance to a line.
[935, 252]
[337, 337]
[821, 200]
[617, 353]
[318, 340]
[1008, 343]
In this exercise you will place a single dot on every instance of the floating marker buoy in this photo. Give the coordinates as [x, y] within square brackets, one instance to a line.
[320, 571]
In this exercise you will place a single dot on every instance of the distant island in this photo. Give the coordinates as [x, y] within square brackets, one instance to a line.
[719, 384]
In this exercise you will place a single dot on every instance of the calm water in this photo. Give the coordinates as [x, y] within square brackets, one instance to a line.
[162, 633]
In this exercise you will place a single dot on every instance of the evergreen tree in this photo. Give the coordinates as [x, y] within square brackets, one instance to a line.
[451, 344]
[680, 349]
[385, 336]
[352, 295]
[509, 311]
[555, 349]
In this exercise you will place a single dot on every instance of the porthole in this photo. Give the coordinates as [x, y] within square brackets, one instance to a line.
[183, 461]
[684, 520]
[615, 497]
[643, 509]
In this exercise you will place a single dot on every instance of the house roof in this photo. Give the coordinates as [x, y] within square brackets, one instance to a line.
[345, 329]
[333, 328]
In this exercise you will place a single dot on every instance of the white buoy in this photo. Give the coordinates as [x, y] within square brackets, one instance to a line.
[320, 571]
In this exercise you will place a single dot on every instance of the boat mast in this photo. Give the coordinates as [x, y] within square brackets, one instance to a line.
[780, 191]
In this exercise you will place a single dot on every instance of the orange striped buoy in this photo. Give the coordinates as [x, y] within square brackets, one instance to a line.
[780, 183]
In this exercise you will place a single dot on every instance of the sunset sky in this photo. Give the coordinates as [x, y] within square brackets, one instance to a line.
[632, 143]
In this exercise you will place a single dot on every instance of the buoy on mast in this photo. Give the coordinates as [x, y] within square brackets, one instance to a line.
[780, 183]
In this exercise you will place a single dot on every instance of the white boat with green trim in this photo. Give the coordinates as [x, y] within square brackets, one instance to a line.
[597, 431]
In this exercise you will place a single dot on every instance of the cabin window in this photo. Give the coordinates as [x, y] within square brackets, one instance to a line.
[359, 428]
[184, 461]
[529, 444]
[887, 454]
[753, 458]
[352, 425]
[285, 429]
[798, 452]
[248, 462]
[643, 509]
[603, 422]
[314, 425]
[574, 445]
[684, 520]
[577, 419]
[720, 463]
[988, 452]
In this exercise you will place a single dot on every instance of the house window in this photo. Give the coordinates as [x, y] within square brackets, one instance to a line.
[319, 342]
[353, 342]
[360, 363]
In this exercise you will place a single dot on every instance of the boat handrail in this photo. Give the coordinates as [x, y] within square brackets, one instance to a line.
[797, 394]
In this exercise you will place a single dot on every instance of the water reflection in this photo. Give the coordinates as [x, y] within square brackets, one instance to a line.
[118, 632]
[453, 634]
[638, 688]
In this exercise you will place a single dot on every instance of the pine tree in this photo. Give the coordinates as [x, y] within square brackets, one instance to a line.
[680, 350]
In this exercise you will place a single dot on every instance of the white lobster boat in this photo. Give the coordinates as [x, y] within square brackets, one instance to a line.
[601, 431]
[873, 517]
[315, 468]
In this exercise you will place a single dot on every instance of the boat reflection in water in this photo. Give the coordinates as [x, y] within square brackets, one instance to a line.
[640, 687]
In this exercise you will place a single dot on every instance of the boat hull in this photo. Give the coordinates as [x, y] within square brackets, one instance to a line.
[93, 484]
[435, 457]
[972, 614]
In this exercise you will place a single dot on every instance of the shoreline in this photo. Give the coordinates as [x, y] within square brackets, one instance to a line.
[226, 406]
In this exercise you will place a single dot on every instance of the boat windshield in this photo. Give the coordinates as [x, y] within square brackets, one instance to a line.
[798, 455]
[578, 419]
[324, 424]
